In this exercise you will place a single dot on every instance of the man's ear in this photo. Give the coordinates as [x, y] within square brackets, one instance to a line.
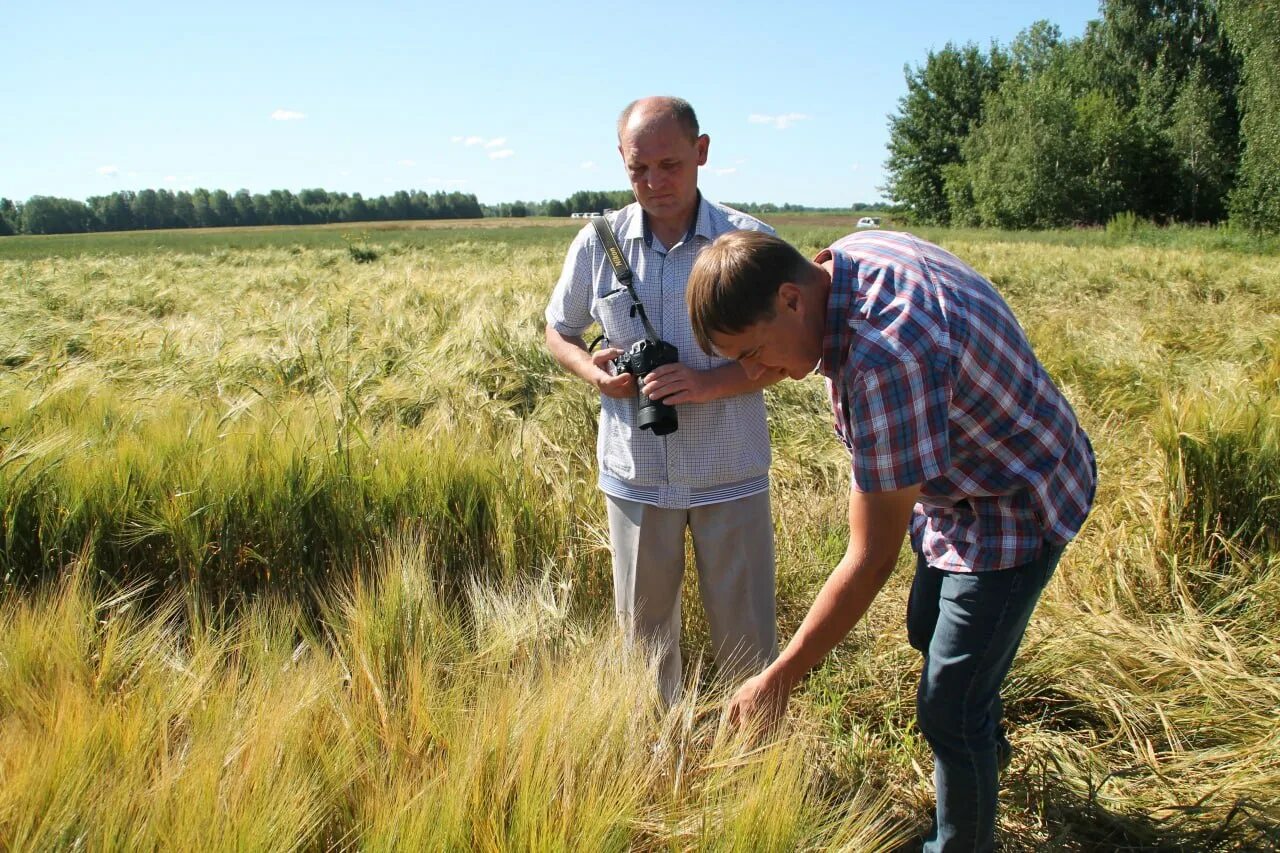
[703, 143]
[789, 297]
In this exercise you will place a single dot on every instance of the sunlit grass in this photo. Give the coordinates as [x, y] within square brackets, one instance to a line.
[408, 722]
[304, 551]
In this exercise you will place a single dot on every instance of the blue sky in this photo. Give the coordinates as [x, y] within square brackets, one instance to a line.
[506, 100]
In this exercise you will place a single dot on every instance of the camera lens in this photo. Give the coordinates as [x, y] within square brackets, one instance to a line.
[657, 416]
[654, 414]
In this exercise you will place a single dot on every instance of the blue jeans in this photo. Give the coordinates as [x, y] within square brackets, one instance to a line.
[968, 627]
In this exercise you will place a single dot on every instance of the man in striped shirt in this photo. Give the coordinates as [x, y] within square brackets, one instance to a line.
[710, 476]
[956, 432]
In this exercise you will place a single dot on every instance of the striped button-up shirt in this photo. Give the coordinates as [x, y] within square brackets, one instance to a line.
[933, 383]
[721, 450]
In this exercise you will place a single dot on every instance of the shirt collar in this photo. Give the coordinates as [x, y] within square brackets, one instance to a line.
[841, 318]
[637, 227]
[702, 224]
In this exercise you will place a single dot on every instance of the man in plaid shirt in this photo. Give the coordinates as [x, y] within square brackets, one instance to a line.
[955, 431]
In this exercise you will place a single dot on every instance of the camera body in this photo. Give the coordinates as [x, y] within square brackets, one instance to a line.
[644, 356]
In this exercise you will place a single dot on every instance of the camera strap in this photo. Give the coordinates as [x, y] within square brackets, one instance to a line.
[622, 271]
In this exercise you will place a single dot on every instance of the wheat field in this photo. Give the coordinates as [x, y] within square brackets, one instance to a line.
[300, 549]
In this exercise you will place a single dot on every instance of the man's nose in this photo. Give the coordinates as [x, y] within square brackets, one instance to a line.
[753, 368]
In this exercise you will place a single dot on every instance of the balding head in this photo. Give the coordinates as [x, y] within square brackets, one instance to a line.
[647, 112]
[662, 150]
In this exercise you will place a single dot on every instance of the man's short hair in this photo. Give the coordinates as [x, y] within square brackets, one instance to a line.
[735, 281]
[676, 108]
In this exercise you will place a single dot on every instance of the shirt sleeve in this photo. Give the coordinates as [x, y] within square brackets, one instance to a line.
[569, 310]
[899, 425]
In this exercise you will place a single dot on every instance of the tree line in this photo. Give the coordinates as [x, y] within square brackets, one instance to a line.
[201, 208]
[1164, 109]
[583, 201]
[144, 209]
[598, 201]
[130, 211]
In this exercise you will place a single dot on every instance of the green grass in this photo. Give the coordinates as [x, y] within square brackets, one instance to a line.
[1222, 464]
[801, 228]
[300, 548]
[423, 234]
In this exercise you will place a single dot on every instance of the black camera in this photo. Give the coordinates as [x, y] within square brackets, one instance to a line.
[646, 354]
[643, 357]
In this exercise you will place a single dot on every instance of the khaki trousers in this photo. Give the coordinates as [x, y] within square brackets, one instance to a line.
[733, 551]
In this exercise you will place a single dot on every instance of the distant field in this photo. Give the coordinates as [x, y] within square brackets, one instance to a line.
[532, 230]
[300, 547]
[422, 233]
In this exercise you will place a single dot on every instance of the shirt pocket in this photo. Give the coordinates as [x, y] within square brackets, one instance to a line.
[613, 312]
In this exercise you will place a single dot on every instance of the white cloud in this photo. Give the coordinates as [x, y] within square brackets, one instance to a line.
[494, 145]
[588, 164]
[406, 163]
[288, 115]
[448, 182]
[729, 171]
[111, 171]
[169, 179]
[856, 166]
[781, 122]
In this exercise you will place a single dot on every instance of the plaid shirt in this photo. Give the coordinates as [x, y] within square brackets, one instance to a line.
[933, 382]
[721, 450]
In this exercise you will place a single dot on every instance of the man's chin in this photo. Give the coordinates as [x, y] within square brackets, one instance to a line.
[801, 372]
